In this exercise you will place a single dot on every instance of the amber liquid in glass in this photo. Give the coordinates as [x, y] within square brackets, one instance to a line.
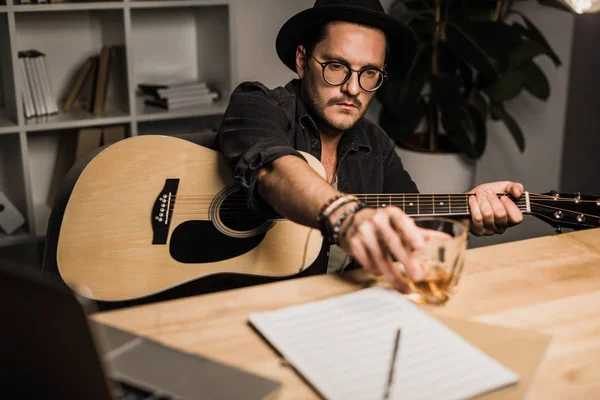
[436, 286]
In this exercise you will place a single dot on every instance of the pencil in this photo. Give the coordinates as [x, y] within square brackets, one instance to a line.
[393, 364]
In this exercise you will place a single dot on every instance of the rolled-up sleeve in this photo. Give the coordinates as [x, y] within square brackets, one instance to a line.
[254, 132]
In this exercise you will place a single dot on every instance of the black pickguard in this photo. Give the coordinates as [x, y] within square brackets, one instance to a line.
[200, 242]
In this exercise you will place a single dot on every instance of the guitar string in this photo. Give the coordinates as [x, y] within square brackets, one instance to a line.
[569, 211]
[238, 193]
[392, 196]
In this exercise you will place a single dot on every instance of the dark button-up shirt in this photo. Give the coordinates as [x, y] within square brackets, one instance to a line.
[261, 125]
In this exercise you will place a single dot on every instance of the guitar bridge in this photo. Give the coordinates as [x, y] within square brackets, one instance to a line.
[162, 211]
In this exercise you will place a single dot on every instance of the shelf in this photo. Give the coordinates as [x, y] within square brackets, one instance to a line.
[7, 125]
[87, 32]
[104, 5]
[151, 113]
[189, 43]
[76, 118]
[177, 3]
[17, 238]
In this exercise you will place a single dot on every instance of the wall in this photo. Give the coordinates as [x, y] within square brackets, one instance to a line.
[256, 24]
[580, 162]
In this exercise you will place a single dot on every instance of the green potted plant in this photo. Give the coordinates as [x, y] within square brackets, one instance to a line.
[473, 56]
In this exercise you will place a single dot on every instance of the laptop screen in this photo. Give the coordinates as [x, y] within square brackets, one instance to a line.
[46, 348]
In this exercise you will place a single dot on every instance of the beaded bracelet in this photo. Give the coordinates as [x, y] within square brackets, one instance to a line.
[333, 206]
[334, 236]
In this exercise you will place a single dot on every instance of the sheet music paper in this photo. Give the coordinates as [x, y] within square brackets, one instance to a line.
[343, 347]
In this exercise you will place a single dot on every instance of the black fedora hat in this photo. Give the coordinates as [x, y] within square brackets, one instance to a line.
[403, 41]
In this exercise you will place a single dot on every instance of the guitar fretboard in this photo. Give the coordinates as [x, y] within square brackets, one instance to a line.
[420, 205]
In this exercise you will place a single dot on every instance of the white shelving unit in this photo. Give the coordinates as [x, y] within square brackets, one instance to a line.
[163, 40]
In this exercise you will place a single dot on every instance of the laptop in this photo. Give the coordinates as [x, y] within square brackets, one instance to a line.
[49, 349]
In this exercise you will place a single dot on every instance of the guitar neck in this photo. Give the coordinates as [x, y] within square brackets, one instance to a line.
[439, 204]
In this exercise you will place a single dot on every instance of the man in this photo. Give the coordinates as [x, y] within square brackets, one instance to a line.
[340, 50]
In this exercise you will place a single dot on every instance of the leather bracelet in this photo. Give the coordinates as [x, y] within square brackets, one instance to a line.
[334, 236]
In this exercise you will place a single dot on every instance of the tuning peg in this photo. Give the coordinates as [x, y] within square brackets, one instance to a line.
[559, 230]
[578, 198]
[555, 194]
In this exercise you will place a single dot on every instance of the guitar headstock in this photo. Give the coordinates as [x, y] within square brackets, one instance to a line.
[574, 211]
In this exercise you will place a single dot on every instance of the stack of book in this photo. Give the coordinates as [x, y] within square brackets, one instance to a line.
[38, 96]
[178, 95]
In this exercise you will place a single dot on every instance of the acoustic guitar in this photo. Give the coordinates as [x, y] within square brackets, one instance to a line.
[153, 212]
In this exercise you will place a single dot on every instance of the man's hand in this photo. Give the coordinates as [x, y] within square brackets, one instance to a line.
[490, 214]
[373, 237]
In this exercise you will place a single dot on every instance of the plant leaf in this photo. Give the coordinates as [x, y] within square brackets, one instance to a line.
[535, 82]
[462, 44]
[533, 33]
[524, 53]
[497, 38]
[481, 105]
[511, 124]
[467, 76]
[399, 94]
[555, 4]
[507, 88]
[399, 128]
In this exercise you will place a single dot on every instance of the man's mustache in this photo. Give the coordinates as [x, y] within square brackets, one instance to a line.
[354, 102]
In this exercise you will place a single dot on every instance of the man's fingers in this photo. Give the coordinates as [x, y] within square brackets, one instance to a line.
[487, 211]
[500, 214]
[476, 216]
[378, 254]
[409, 232]
[515, 216]
[516, 189]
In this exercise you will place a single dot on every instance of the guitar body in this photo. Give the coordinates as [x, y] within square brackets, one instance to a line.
[150, 213]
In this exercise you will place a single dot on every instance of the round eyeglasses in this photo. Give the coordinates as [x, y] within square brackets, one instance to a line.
[337, 73]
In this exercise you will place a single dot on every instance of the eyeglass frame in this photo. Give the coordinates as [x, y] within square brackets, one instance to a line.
[359, 72]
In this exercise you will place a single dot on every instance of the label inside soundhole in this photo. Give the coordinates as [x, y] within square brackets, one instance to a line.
[235, 214]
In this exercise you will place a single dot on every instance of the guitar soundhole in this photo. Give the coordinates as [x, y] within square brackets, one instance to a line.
[235, 215]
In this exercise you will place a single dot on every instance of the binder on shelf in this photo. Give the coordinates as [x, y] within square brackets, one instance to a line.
[27, 95]
[89, 87]
[49, 99]
[38, 99]
[36, 81]
[78, 83]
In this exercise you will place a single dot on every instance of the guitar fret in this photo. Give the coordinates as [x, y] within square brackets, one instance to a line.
[426, 206]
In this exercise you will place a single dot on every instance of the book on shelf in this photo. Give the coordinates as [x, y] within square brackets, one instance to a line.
[154, 89]
[90, 85]
[77, 85]
[38, 94]
[178, 95]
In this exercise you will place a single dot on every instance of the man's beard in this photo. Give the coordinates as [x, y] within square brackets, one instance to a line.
[317, 107]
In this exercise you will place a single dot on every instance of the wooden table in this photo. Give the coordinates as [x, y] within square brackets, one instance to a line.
[550, 284]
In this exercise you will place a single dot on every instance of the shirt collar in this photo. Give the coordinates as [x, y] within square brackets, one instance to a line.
[357, 135]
